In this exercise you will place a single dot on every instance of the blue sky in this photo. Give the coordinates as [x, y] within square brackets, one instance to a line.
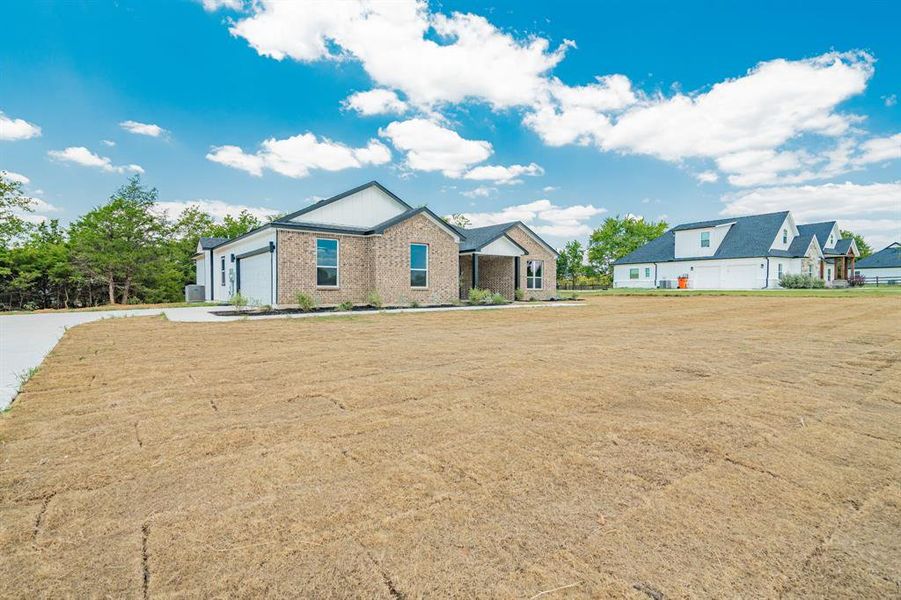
[556, 114]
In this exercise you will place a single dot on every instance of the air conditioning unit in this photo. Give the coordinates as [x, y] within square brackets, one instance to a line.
[665, 284]
[194, 293]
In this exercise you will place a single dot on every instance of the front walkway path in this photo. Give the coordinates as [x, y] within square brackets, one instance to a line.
[26, 339]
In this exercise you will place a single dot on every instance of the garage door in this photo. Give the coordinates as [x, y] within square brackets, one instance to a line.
[256, 278]
[740, 277]
[706, 278]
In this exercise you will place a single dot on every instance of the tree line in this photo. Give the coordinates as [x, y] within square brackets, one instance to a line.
[618, 236]
[125, 251]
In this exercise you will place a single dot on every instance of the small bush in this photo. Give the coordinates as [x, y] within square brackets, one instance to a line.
[857, 280]
[414, 304]
[798, 281]
[519, 294]
[498, 299]
[479, 296]
[304, 302]
[239, 301]
[345, 306]
[374, 299]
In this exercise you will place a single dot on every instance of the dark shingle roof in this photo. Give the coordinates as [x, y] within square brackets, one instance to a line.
[748, 237]
[207, 243]
[843, 245]
[286, 223]
[884, 259]
[821, 230]
[478, 237]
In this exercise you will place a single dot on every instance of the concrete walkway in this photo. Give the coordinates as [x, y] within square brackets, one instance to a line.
[26, 339]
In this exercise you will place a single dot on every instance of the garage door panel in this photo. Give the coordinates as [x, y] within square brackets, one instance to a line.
[707, 278]
[740, 277]
[256, 278]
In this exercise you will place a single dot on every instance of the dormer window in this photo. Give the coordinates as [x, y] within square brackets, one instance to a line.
[705, 239]
[831, 240]
[785, 236]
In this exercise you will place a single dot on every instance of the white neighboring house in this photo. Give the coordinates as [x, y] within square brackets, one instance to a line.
[750, 252]
[883, 265]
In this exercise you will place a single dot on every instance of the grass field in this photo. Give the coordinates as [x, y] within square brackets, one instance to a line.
[628, 447]
[855, 292]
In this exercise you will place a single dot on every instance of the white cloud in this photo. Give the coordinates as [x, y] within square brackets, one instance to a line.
[148, 129]
[879, 149]
[17, 129]
[483, 191]
[543, 217]
[214, 5]
[376, 102]
[503, 175]
[431, 57]
[431, 147]
[80, 155]
[215, 208]
[38, 211]
[16, 177]
[296, 156]
[890, 100]
[109, 143]
[707, 176]
[549, 188]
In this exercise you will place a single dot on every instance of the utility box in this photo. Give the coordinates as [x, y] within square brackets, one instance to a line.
[194, 293]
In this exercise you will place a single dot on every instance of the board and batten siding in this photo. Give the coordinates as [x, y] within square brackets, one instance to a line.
[250, 243]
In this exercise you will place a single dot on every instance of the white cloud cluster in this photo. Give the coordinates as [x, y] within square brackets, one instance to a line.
[148, 129]
[15, 177]
[296, 156]
[431, 57]
[215, 208]
[80, 155]
[872, 210]
[503, 175]
[12, 130]
[376, 102]
[214, 5]
[432, 147]
[544, 217]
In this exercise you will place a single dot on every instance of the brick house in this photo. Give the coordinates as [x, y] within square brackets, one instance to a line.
[368, 240]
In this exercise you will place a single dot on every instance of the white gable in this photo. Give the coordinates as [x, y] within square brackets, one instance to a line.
[791, 230]
[502, 246]
[688, 241]
[366, 208]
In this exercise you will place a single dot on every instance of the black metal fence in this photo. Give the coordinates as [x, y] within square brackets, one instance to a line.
[878, 281]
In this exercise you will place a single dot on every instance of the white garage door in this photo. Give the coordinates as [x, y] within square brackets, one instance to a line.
[740, 277]
[706, 278]
[256, 279]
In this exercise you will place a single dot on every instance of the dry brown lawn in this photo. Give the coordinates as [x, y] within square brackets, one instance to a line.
[637, 447]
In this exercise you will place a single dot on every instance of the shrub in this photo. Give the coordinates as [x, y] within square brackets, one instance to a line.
[304, 302]
[345, 306]
[479, 296]
[414, 304]
[238, 300]
[857, 280]
[374, 300]
[798, 281]
[498, 299]
[518, 295]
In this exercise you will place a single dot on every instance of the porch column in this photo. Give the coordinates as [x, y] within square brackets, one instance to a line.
[475, 270]
[515, 273]
[852, 266]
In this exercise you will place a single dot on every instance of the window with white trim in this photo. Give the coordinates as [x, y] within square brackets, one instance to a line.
[534, 274]
[785, 236]
[780, 270]
[705, 239]
[327, 262]
[222, 272]
[633, 273]
[419, 265]
[647, 272]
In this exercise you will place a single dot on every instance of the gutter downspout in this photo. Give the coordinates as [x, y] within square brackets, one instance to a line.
[212, 275]
[766, 284]
[655, 275]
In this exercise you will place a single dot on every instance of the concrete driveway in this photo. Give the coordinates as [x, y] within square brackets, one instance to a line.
[26, 339]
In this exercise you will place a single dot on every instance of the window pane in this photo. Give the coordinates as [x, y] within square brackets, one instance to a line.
[327, 276]
[327, 253]
[633, 273]
[538, 267]
[418, 278]
[647, 272]
[419, 256]
[529, 271]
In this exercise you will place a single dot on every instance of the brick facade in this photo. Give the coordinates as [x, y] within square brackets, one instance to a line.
[379, 263]
[536, 252]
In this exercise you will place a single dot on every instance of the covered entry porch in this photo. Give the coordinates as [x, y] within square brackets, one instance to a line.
[495, 267]
[841, 266]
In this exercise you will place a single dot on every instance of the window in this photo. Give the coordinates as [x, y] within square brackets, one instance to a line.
[810, 270]
[780, 270]
[326, 263]
[647, 272]
[222, 272]
[705, 239]
[534, 274]
[831, 241]
[785, 236]
[829, 274]
[419, 265]
[633, 273]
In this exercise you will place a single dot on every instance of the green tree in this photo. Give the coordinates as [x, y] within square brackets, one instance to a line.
[120, 241]
[13, 202]
[234, 226]
[570, 263]
[618, 236]
[458, 220]
[862, 245]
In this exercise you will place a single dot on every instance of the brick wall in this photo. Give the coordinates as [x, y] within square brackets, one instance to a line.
[536, 252]
[375, 263]
[391, 253]
[496, 274]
